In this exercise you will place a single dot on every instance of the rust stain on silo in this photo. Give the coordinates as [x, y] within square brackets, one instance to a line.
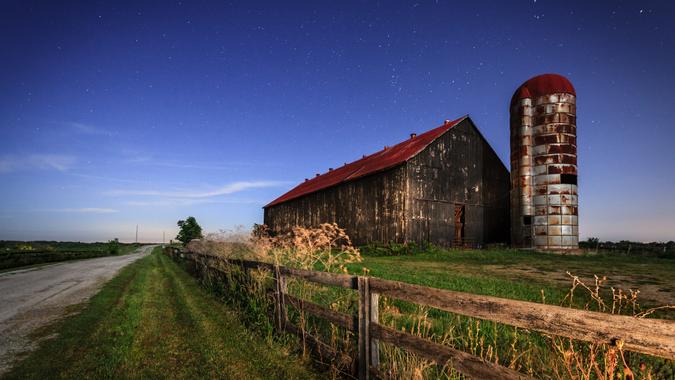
[544, 201]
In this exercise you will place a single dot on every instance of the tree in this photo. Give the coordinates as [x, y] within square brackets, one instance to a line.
[189, 230]
[114, 246]
[593, 241]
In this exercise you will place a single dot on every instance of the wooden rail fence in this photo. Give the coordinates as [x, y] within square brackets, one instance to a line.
[648, 336]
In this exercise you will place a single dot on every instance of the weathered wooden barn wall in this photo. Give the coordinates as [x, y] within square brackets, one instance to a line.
[369, 209]
[458, 171]
[495, 197]
[417, 200]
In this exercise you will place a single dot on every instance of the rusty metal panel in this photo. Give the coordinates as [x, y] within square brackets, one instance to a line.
[554, 230]
[540, 241]
[570, 241]
[554, 241]
[554, 219]
[540, 220]
[553, 210]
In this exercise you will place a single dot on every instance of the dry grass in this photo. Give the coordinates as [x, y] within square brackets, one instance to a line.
[329, 248]
[585, 361]
[326, 247]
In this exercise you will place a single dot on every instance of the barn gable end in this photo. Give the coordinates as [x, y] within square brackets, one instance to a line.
[458, 191]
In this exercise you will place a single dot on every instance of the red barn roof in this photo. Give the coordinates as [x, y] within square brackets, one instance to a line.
[378, 161]
[542, 85]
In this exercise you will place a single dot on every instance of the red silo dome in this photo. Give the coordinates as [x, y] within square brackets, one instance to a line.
[542, 85]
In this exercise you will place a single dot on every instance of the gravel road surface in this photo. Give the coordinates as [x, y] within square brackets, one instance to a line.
[34, 297]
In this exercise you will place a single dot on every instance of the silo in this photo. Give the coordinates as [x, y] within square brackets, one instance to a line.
[544, 212]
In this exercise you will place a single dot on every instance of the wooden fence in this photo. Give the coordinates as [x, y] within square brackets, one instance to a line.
[648, 336]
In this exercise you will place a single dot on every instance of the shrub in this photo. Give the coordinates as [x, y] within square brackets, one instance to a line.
[114, 246]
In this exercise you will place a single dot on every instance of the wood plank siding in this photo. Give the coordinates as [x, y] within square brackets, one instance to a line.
[417, 200]
[370, 209]
[459, 169]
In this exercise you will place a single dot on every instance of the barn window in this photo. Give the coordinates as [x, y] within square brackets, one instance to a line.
[569, 179]
[527, 220]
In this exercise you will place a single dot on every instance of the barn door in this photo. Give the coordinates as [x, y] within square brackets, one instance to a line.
[459, 225]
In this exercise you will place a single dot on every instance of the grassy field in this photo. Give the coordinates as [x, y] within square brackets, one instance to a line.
[14, 254]
[154, 321]
[515, 274]
[523, 274]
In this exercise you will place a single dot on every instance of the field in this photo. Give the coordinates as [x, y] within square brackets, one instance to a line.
[15, 254]
[522, 275]
[154, 321]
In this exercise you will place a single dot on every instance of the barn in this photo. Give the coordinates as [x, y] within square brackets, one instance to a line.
[446, 186]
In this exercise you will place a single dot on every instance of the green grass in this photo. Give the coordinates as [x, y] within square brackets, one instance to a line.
[523, 275]
[154, 321]
[503, 273]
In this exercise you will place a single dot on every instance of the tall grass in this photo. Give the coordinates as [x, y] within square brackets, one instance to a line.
[329, 248]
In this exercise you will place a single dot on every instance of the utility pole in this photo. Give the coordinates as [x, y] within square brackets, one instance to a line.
[163, 236]
[137, 233]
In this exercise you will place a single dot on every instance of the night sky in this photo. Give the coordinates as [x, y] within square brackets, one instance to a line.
[118, 114]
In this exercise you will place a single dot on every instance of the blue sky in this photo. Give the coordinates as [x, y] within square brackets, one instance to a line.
[115, 114]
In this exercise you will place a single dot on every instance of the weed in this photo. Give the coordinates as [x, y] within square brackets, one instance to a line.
[328, 248]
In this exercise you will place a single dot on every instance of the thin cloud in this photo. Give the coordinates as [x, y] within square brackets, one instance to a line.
[205, 166]
[149, 161]
[84, 210]
[57, 162]
[105, 178]
[190, 202]
[88, 129]
[232, 188]
[141, 158]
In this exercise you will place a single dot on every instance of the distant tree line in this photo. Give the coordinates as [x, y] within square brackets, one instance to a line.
[20, 253]
[658, 249]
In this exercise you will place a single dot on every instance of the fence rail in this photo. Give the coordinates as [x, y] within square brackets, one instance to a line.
[648, 336]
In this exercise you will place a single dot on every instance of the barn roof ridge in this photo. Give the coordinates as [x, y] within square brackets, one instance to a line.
[383, 159]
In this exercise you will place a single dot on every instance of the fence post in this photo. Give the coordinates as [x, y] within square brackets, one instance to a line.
[374, 318]
[280, 289]
[363, 329]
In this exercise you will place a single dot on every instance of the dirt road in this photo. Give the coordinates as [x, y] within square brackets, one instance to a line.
[32, 298]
